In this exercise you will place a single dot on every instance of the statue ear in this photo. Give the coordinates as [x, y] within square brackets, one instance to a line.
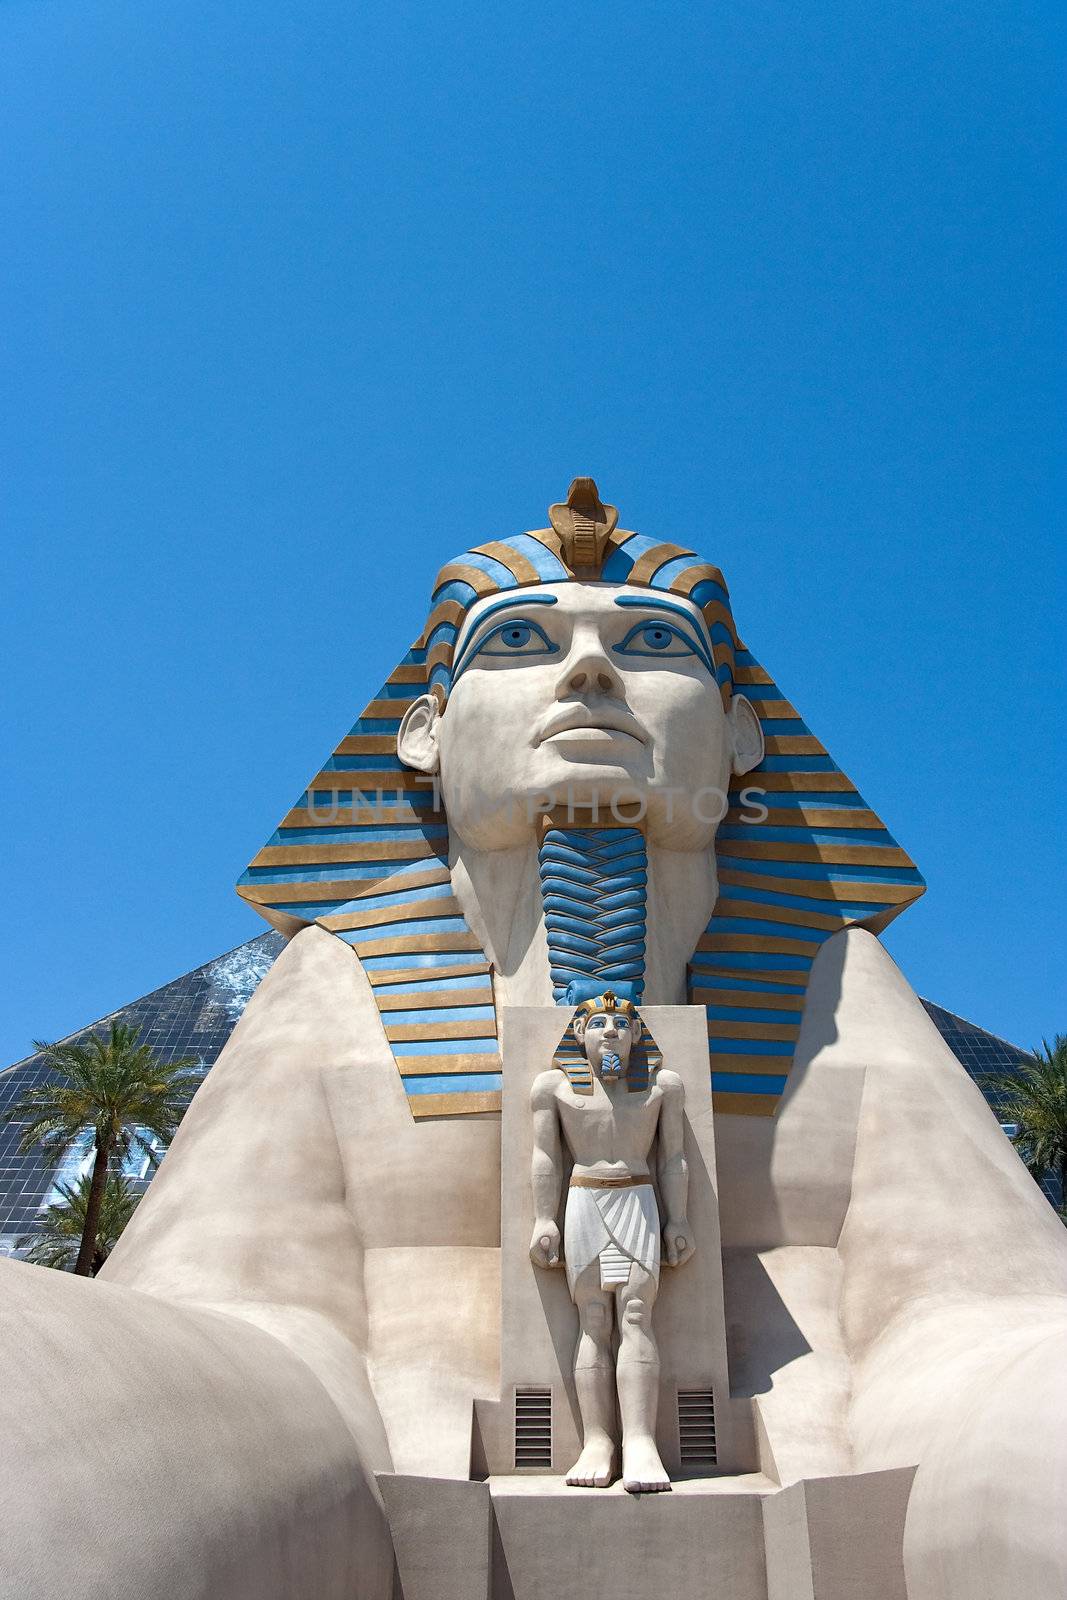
[746, 735]
[579, 1028]
[419, 734]
[636, 1029]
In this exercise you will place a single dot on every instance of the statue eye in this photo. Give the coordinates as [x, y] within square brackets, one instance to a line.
[656, 639]
[515, 638]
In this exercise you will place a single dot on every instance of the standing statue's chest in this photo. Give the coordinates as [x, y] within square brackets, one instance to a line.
[630, 1117]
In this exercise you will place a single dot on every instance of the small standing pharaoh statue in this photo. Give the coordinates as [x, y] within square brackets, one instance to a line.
[608, 1107]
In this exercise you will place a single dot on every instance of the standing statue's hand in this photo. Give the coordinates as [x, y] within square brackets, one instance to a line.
[544, 1246]
[678, 1237]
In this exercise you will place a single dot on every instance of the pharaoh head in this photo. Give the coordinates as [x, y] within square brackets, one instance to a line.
[562, 681]
[607, 1028]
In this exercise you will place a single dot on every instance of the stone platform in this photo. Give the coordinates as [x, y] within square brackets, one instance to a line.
[742, 1537]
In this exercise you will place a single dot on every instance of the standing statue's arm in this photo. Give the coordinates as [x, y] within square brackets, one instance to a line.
[547, 1170]
[674, 1170]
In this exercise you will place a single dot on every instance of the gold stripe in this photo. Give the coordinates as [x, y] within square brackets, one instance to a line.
[483, 1028]
[799, 980]
[434, 999]
[321, 854]
[521, 569]
[420, 879]
[441, 654]
[444, 611]
[766, 1066]
[808, 817]
[687, 581]
[753, 943]
[582, 1182]
[768, 708]
[795, 782]
[450, 1065]
[744, 1105]
[771, 913]
[410, 974]
[715, 611]
[793, 744]
[409, 911]
[349, 816]
[337, 890]
[408, 672]
[459, 572]
[748, 998]
[473, 1103]
[367, 744]
[858, 855]
[780, 1032]
[754, 675]
[416, 943]
[380, 710]
[364, 781]
[818, 889]
[551, 541]
[646, 565]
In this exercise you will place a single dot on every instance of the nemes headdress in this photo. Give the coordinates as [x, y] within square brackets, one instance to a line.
[364, 851]
[571, 1059]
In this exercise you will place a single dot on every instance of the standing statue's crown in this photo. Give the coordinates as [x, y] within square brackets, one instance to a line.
[606, 1004]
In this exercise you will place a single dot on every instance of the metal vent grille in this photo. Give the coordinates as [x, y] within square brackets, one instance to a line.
[533, 1428]
[696, 1428]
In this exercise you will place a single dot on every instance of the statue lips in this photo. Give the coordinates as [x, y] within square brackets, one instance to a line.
[583, 721]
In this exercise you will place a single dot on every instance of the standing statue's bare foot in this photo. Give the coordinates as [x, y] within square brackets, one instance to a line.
[594, 1467]
[642, 1470]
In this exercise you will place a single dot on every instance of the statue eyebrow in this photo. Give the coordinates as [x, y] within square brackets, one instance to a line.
[652, 603]
[491, 611]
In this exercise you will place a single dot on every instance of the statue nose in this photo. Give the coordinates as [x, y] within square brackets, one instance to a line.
[589, 670]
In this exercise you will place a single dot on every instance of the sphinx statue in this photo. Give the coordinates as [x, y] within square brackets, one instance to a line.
[320, 1338]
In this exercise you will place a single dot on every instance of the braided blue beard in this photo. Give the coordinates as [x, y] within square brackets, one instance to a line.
[594, 881]
[610, 1065]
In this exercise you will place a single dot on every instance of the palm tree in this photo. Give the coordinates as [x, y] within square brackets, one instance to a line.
[118, 1088]
[58, 1231]
[1034, 1098]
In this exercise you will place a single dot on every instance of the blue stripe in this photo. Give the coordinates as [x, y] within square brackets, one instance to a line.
[393, 930]
[400, 897]
[817, 872]
[775, 930]
[444, 1047]
[831, 908]
[746, 1083]
[782, 725]
[462, 593]
[457, 1083]
[795, 763]
[622, 558]
[501, 575]
[439, 1014]
[706, 980]
[804, 835]
[378, 725]
[750, 1014]
[665, 575]
[707, 589]
[749, 1047]
[424, 959]
[350, 764]
[336, 872]
[548, 567]
[756, 963]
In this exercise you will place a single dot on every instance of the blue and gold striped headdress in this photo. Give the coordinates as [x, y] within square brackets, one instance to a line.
[571, 1059]
[364, 852]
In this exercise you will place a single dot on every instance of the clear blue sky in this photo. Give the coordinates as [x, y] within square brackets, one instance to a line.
[298, 299]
